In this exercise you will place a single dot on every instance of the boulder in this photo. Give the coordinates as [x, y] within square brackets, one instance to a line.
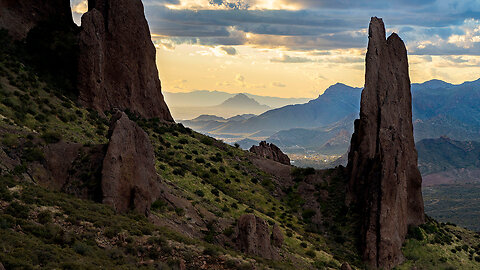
[270, 151]
[116, 66]
[129, 179]
[253, 237]
[345, 266]
[20, 16]
[385, 183]
[277, 236]
[71, 168]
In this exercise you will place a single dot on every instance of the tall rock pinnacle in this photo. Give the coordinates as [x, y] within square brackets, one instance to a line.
[385, 183]
[117, 67]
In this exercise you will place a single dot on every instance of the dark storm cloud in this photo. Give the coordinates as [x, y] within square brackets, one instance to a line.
[320, 25]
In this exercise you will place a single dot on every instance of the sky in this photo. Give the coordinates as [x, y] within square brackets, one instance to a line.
[297, 48]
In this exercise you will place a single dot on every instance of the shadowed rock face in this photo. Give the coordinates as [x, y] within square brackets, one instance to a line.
[385, 182]
[117, 68]
[270, 151]
[20, 16]
[129, 179]
[253, 237]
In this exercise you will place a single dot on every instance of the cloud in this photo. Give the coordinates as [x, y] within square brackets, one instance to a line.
[229, 50]
[291, 59]
[278, 84]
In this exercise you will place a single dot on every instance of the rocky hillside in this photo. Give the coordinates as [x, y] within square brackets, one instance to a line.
[88, 189]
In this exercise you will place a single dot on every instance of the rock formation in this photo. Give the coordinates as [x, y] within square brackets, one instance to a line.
[345, 266]
[385, 183]
[277, 236]
[72, 168]
[117, 68]
[253, 237]
[270, 151]
[20, 16]
[129, 179]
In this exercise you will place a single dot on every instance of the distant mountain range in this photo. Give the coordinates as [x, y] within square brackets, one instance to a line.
[439, 109]
[193, 104]
[447, 161]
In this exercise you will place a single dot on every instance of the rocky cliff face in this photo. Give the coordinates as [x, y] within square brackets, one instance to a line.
[129, 179]
[385, 182]
[253, 237]
[19, 17]
[270, 151]
[117, 67]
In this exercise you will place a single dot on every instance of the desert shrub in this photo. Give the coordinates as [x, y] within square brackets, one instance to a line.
[17, 210]
[414, 232]
[199, 193]
[51, 136]
[179, 171]
[206, 140]
[200, 160]
[112, 231]
[303, 245]
[215, 192]
[159, 205]
[81, 248]
[310, 253]
[188, 157]
[44, 217]
[183, 141]
[33, 154]
[236, 145]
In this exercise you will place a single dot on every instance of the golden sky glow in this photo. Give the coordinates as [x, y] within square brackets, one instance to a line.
[297, 48]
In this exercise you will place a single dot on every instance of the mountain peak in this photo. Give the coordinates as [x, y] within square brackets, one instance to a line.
[242, 100]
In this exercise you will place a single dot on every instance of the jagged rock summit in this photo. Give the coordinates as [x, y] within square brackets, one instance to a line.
[270, 151]
[385, 183]
[117, 68]
[20, 16]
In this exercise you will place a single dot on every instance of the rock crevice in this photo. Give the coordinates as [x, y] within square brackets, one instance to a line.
[385, 183]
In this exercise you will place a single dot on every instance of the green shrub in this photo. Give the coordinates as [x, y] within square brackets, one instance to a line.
[81, 248]
[215, 192]
[159, 205]
[206, 140]
[51, 137]
[200, 193]
[183, 141]
[310, 253]
[44, 217]
[17, 210]
[414, 232]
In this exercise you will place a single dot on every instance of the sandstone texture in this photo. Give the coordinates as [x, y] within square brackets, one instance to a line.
[385, 183]
[72, 168]
[270, 151]
[345, 266]
[20, 16]
[253, 237]
[117, 68]
[129, 179]
[277, 236]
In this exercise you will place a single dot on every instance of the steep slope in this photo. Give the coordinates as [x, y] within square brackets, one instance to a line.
[385, 183]
[117, 68]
